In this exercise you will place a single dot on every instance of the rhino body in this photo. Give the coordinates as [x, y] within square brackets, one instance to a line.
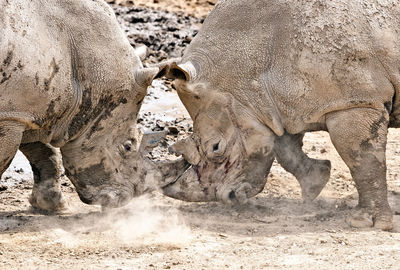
[260, 73]
[70, 79]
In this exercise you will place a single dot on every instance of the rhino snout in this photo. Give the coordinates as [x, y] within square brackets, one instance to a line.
[234, 196]
[113, 198]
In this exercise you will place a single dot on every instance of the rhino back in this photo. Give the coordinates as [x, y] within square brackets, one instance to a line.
[298, 60]
[62, 61]
[346, 54]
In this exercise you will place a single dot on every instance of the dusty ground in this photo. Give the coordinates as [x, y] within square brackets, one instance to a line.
[275, 230]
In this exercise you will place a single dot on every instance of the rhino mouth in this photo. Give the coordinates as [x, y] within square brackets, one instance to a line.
[85, 198]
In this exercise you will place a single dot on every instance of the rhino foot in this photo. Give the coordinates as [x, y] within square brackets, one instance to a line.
[50, 200]
[315, 179]
[362, 218]
[384, 223]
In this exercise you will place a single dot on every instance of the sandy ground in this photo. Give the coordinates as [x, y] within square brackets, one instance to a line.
[275, 230]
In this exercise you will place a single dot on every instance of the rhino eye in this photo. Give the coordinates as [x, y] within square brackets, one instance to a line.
[215, 147]
[128, 145]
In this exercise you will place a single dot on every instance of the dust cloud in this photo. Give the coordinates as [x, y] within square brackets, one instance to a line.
[140, 223]
[143, 221]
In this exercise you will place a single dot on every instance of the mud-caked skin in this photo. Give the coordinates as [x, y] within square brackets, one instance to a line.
[70, 79]
[46, 167]
[260, 73]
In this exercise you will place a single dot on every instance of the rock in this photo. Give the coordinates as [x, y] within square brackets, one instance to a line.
[173, 131]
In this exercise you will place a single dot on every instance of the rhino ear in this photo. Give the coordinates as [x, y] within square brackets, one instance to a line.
[145, 76]
[185, 71]
[142, 52]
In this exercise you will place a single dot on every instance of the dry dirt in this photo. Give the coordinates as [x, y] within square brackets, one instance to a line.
[275, 230]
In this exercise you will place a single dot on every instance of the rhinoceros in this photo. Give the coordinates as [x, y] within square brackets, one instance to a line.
[260, 73]
[70, 79]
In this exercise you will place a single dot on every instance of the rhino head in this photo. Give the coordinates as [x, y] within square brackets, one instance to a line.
[105, 158]
[230, 150]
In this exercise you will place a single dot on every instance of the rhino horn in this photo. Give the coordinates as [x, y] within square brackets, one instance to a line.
[164, 172]
[145, 76]
[170, 170]
[187, 187]
[187, 148]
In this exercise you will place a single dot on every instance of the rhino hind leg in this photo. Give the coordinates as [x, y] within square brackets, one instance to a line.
[46, 166]
[360, 135]
[312, 174]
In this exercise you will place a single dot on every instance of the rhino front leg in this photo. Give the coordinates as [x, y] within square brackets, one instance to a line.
[312, 174]
[46, 164]
[10, 138]
[360, 135]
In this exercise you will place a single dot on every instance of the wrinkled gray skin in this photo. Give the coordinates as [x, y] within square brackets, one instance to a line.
[260, 73]
[70, 79]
